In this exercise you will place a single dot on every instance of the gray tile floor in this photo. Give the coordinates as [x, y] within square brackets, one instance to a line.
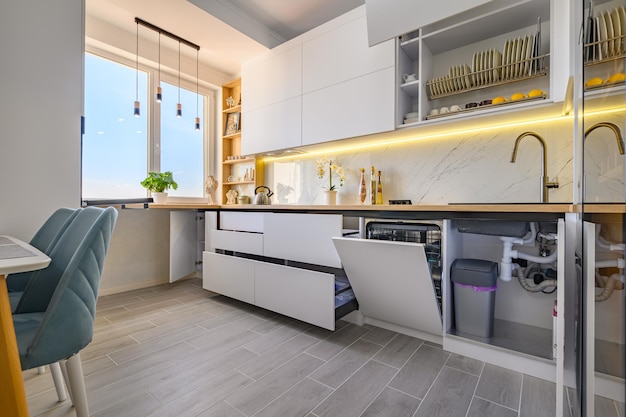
[178, 350]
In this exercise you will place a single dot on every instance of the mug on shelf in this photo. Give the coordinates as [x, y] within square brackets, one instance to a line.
[409, 77]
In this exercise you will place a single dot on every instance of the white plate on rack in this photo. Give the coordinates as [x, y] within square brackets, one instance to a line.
[486, 64]
[529, 54]
[496, 65]
[604, 44]
[505, 59]
[512, 64]
[609, 33]
[622, 19]
[617, 31]
[467, 72]
[478, 68]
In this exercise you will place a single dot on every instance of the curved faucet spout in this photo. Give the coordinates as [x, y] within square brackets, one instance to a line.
[544, 165]
[616, 131]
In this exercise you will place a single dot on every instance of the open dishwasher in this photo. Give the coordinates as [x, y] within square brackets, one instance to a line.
[395, 269]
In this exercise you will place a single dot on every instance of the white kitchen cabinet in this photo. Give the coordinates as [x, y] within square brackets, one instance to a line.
[302, 237]
[229, 275]
[273, 127]
[347, 49]
[436, 53]
[393, 284]
[357, 107]
[283, 262]
[299, 293]
[272, 78]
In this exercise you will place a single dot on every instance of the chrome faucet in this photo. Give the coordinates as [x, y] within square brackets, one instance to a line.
[545, 184]
[616, 131]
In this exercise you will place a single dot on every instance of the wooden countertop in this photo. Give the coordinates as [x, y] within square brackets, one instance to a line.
[614, 208]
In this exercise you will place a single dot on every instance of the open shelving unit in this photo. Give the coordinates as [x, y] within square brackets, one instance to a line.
[240, 173]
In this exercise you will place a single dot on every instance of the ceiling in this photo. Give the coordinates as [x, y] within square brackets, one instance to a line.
[229, 32]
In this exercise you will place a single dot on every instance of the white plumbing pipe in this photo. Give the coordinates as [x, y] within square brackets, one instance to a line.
[508, 254]
[611, 263]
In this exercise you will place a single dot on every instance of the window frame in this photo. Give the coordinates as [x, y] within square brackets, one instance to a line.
[208, 94]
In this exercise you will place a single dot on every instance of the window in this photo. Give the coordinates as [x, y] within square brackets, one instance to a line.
[115, 144]
[182, 147]
[119, 149]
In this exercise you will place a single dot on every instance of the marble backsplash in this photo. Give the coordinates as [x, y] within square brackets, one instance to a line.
[472, 168]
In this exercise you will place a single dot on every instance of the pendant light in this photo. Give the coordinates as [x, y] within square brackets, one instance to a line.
[159, 94]
[197, 94]
[137, 109]
[179, 107]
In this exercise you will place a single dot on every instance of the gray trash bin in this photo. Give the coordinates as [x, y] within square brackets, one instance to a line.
[474, 283]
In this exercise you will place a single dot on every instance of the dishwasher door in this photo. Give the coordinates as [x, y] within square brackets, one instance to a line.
[392, 282]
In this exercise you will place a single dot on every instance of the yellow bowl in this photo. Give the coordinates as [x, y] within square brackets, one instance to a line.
[517, 96]
[535, 93]
[498, 100]
[593, 81]
[617, 77]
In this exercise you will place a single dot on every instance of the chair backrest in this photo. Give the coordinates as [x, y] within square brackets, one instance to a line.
[67, 324]
[43, 283]
[45, 239]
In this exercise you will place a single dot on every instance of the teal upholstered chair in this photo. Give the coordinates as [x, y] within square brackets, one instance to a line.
[54, 318]
[45, 239]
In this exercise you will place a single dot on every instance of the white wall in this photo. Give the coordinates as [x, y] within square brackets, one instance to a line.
[41, 44]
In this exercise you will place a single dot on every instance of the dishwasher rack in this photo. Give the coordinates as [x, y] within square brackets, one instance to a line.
[428, 234]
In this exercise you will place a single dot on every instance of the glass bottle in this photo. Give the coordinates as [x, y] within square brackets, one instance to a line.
[379, 191]
[373, 186]
[362, 188]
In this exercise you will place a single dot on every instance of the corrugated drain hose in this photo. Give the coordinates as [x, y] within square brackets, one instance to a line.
[532, 287]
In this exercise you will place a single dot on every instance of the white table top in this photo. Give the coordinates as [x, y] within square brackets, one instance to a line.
[18, 256]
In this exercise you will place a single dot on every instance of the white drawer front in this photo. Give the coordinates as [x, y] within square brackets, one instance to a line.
[244, 222]
[303, 237]
[228, 275]
[245, 242]
[305, 295]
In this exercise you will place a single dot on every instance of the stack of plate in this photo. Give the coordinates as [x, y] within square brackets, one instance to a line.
[519, 57]
[487, 67]
[605, 34]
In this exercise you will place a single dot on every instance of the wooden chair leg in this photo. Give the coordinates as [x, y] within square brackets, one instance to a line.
[77, 384]
[57, 377]
[66, 377]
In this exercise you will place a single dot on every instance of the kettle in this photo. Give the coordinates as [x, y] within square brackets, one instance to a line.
[261, 197]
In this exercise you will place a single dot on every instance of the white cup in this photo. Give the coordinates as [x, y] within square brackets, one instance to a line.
[434, 112]
[455, 108]
[444, 110]
[412, 115]
[408, 77]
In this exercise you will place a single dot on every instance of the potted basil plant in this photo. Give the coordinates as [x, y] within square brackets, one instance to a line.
[158, 183]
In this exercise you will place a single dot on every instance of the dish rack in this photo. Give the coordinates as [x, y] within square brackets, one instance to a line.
[428, 234]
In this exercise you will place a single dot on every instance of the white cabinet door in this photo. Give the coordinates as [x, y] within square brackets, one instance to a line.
[183, 243]
[305, 295]
[387, 19]
[341, 55]
[302, 237]
[361, 106]
[229, 275]
[275, 77]
[274, 127]
[241, 221]
[392, 282]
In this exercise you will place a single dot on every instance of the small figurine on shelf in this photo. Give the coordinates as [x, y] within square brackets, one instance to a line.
[210, 185]
[230, 102]
[231, 196]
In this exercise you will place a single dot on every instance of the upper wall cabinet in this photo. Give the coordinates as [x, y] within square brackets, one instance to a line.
[274, 77]
[500, 56]
[342, 54]
[387, 19]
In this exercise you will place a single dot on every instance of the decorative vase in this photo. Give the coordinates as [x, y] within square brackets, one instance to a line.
[330, 197]
[159, 198]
